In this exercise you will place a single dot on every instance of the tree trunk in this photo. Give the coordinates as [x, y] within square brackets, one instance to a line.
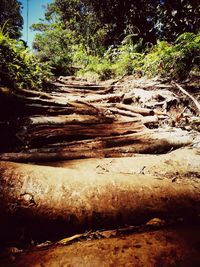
[148, 141]
[76, 127]
[78, 200]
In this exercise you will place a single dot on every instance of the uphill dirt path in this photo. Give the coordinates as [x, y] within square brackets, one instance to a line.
[100, 174]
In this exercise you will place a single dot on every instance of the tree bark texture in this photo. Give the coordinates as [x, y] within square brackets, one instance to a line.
[82, 200]
[148, 141]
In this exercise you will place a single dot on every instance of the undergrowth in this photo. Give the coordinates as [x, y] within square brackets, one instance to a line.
[18, 67]
[179, 60]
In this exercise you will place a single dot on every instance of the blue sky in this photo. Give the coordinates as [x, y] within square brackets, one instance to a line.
[36, 11]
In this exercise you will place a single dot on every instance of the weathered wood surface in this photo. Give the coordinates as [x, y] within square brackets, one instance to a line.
[74, 120]
[81, 198]
[57, 117]
[148, 142]
[74, 126]
[183, 162]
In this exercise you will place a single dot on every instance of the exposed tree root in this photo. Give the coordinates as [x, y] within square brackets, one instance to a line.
[84, 199]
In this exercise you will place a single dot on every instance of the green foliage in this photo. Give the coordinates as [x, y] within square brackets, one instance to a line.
[123, 59]
[10, 17]
[54, 47]
[79, 17]
[99, 66]
[104, 22]
[64, 50]
[82, 34]
[127, 56]
[18, 67]
[153, 19]
[178, 60]
[126, 17]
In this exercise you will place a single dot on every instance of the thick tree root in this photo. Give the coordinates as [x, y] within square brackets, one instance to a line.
[84, 199]
[148, 142]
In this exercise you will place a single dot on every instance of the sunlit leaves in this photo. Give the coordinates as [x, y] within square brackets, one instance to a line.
[18, 67]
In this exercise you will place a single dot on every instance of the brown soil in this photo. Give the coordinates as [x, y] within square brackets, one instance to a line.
[163, 248]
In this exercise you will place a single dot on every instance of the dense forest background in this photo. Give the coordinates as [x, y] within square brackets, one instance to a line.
[101, 39]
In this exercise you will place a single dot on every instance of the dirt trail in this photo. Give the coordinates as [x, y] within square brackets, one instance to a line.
[104, 134]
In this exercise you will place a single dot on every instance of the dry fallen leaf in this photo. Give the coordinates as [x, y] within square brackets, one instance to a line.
[156, 222]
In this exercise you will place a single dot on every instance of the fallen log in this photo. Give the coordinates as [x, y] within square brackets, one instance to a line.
[109, 98]
[77, 127]
[126, 113]
[60, 88]
[80, 84]
[38, 108]
[32, 195]
[47, 101]
[168, 247]
[170, 164]
[64, 120]
[139, 110]
[148, 141]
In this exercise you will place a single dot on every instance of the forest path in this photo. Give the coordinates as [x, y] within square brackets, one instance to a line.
[119, 155]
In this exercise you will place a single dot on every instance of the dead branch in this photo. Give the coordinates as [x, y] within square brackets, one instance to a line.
[187, 94]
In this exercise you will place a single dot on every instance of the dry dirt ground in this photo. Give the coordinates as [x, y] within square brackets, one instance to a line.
[161, 248]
